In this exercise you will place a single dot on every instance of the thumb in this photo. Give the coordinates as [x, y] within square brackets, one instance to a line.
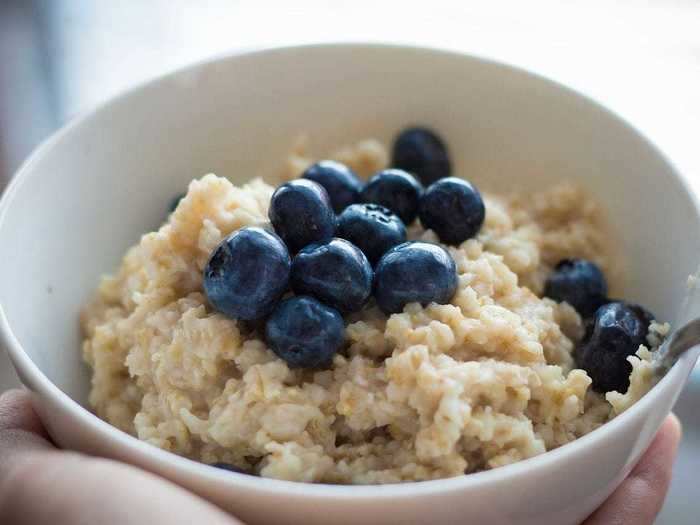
[640, 497]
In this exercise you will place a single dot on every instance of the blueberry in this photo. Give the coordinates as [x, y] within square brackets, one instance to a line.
[397, 190]
[617, 333]
[644, 315]
[423, 153]
[453, 209]
[229, 467]
[305, 332]
[337, 273]
[578, 282]
[301, 213]
[372, 228]
[414, 272]
[176, 201]
[341, 183]
[247, 274]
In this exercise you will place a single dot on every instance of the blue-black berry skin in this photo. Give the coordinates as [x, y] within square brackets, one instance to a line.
[336, 273]
[374, 229]
[453, 209]
[617, 333]
[644, 315]
[422, 152]
[397, 190]
[301, 213]
[305, 332]
[580, 283]
[414, 272]
[340, 182]
[247, 274]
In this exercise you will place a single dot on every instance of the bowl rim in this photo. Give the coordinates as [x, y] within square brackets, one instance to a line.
[161, 460]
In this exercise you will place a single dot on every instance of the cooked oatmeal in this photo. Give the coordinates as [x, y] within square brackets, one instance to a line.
[431, 392]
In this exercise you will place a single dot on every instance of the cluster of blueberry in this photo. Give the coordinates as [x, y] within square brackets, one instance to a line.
[338, 241]
[348, 242]
[614, 328]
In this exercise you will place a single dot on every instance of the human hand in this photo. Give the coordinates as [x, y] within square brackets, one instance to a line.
[40, 484]
[640, 497]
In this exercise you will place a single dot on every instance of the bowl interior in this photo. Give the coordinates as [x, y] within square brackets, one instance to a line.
[91, 191]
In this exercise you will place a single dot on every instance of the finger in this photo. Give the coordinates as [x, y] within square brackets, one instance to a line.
[21, 430]
[39, 484]
[70, 489]
[16, 412]
[639, 498]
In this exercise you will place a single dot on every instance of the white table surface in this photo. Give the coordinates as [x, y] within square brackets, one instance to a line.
[641, 58]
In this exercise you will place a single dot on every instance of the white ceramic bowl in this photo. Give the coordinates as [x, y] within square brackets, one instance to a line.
[91, 190]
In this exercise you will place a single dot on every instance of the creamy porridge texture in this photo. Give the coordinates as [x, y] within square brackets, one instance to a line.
[431, 392]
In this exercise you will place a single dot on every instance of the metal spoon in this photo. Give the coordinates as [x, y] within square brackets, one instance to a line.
[680, 341]
[684, 338]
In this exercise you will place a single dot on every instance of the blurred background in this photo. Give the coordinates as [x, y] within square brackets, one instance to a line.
[59, 58]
